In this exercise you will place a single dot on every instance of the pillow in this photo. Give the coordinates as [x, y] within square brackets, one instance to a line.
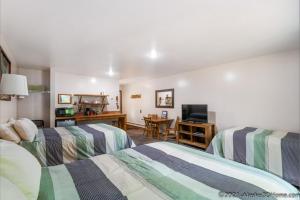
[26, 129]
[21, 168]
[11, 120]
[7, 132]
[10, 191]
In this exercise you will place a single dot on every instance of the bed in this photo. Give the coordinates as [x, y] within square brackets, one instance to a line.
[160, 171]
[277, 152]
[53, 146]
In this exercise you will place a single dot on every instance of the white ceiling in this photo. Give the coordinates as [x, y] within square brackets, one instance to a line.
[89, 36]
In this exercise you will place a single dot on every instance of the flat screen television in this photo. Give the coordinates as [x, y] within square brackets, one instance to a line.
[196, 113]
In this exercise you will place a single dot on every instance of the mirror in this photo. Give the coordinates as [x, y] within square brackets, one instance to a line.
[64, 99]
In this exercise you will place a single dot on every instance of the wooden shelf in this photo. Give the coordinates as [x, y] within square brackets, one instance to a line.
[121, 118]
[38, 92]
[185, 132]
[83, 103]
[93, 104]
[91, 95]
[198, 135]
[197, 144]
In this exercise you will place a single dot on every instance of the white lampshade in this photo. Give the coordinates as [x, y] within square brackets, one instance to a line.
[14, 85]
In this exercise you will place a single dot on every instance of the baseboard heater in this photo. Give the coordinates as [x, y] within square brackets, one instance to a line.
[135, 124]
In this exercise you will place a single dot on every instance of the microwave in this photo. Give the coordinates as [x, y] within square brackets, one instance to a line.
[64, 112]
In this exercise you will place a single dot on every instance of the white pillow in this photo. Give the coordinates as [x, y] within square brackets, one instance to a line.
[10, 191]
[7, 132]
[21, 168]
[11, 120]
[26, 129]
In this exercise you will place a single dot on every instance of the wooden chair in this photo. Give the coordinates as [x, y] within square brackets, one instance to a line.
[153, 116]
[171, 131]
[153, 125]
[148, 130]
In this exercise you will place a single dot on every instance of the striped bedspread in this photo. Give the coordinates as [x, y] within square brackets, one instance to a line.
[53, 146]
[160, 171]
[277, 152]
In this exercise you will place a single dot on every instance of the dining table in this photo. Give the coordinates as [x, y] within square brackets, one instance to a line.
[158, 122]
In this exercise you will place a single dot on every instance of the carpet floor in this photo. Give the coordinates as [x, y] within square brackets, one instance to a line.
[137, 135]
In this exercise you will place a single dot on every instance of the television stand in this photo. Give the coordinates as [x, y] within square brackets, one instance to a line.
[195, 134]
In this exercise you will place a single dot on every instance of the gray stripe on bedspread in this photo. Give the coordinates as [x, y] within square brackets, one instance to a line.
[91, 183]
[213, 179]
[290, 149]
[239, 144]
[210, 148]
[129, 142]
[54, 149]
[99, 139]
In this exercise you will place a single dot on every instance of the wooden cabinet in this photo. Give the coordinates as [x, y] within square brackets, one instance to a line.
[119, 117]
[195, 134]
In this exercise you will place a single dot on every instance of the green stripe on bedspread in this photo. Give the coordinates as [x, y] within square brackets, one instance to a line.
[63, 183]
[119, 134]
[82, 143]
[260, 149]
[166, 184]
[46, 186]
[37, 147]
[57, 184]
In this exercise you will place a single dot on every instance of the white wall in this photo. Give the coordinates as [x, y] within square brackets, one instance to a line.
[42, 106]
[52, 97]
[67, 83]
[8, 109]
[36, 105]
[260, 92]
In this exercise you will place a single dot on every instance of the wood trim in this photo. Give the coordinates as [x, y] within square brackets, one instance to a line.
[121, 101]
[122, 118]
[136, 96]
[5, 55]
[90, 95]
[5, 97]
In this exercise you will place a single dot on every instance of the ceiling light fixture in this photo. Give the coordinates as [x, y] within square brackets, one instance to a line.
[93, 80]
[230, 76]
[153, 54]
[110, 72]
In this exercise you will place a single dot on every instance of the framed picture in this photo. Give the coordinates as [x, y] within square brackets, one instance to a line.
[64, 98]
[5, 68]
[164, 98]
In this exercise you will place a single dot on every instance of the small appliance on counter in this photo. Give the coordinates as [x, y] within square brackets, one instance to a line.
[64, 112]
[89, 111]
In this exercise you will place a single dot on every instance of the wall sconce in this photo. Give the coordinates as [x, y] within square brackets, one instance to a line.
[13, 85]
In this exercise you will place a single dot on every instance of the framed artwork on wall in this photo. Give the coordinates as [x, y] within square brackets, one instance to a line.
[64, 98]
[5, 68]
[164, 98]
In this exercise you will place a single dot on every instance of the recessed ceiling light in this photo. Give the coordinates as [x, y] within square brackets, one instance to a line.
[93, 80]
[230, 76]
[153, 54]
[110, 72]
